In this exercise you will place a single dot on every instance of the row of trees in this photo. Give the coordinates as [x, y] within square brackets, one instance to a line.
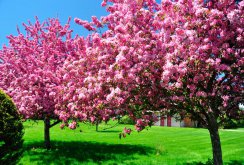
[183, 57]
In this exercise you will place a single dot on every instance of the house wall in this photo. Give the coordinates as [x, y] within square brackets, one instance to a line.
[172, 122]
[168, 121]
[175, 123]
[158, 122]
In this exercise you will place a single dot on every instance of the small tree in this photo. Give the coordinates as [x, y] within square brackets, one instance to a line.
[11, 131]
[30, 69]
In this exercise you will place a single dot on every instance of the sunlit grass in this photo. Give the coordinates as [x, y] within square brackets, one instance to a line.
[157, 145]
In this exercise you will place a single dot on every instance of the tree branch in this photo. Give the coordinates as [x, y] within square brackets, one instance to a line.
[55, 123]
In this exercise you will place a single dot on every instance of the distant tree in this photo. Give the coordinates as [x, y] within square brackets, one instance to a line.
[30, 69]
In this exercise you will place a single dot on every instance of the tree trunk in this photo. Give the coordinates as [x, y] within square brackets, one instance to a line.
[47, 133]
[216, 145]
[97, 123]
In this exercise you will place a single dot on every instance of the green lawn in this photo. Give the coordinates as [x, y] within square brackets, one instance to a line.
[158, 145]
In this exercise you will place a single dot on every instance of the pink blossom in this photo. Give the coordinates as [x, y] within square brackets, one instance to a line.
[92, 118]
[96, 21]
[62, 126]
[85, 24]
[72, 125]
[81, 96]
[201, 94]
[225, 98]
[120, 57]
[127, 131]
[104, 3]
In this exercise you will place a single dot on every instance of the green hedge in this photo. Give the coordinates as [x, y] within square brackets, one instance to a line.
[11, 131]
[126, 120]
[232, 124]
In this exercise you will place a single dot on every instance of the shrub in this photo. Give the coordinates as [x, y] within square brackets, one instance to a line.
[11, 131]
[230, 124]
[240, 123]
[126, 120]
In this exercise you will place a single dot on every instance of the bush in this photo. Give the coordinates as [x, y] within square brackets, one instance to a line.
[126, 120]
[230, 124]
[11, 131]
[240, 123]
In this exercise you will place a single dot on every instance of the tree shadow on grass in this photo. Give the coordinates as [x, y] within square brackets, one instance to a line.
[210, 162]
[83, 152]
[235, 162]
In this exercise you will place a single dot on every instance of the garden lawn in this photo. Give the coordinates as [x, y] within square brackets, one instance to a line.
[157, 145]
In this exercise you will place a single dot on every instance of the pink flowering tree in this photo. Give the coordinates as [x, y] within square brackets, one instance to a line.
[82, 96]
[103, 82]
[204, 62]
[183, 57]
[30, 69]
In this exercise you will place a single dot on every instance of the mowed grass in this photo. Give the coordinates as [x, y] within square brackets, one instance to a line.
[155, 146]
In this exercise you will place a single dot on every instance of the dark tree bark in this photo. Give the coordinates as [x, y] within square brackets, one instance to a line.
[47, 126]
[215, 140]
[47, 133]
[97, 123]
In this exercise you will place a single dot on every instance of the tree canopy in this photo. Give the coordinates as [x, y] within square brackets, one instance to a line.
[179, 57]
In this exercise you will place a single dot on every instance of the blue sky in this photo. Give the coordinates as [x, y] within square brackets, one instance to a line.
[16, 12]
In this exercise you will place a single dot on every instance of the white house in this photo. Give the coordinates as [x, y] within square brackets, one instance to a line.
[169, 121]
